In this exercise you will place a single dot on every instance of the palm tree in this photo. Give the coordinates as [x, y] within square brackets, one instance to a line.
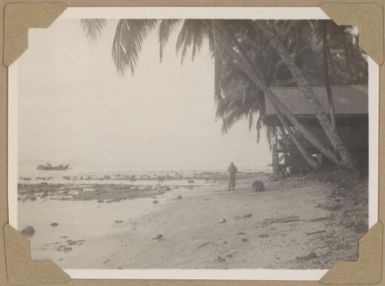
[227, 44]
[306, 89]
[326, 53]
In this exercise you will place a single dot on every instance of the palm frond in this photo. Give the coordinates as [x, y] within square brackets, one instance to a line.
[230, 119]
[217, 79]
[93, 27]
[259, 127]
[251, 120]
[128, 42]
[191, 36]
[166, 27]
[271, 133]
[213, 49]
[233, 108]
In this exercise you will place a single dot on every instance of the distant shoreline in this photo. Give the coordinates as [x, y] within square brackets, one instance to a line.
[108, 190]
[179, 177]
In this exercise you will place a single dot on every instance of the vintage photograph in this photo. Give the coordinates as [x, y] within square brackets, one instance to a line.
[193, 143]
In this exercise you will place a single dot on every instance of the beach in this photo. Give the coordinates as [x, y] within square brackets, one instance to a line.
[308, 222]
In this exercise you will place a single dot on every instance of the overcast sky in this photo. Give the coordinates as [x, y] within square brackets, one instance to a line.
[74, 107]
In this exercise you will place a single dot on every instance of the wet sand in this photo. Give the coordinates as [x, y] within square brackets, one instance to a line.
[295, 224]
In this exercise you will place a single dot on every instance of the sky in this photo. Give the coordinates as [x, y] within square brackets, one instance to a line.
[73, 107]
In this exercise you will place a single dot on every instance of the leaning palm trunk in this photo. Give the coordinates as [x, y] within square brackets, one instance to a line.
[248, 68]
[275, 162]
[307, 91]
[325, 51]
[348, 56]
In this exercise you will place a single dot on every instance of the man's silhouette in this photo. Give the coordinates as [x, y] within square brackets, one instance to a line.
[232, 170]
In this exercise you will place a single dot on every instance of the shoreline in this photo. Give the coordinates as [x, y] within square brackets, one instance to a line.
[291, 225]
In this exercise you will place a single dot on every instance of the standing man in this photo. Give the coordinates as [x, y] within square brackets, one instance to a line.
[232, 170]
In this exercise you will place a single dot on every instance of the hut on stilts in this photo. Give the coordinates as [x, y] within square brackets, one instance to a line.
[351, 114]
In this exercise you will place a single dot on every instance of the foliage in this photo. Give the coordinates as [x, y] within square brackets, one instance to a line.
[93, 27]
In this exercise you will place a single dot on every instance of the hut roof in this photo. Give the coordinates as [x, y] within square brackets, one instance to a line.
[348, 100]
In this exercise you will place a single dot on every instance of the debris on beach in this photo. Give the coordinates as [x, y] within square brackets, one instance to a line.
[155, 202]
[54, 224]
[221, 259]
[316, 232]
[158, 237]
[178, 197]
[28, 231]
[310, 256]
[118, 221]
[204, 244]
[320, 219]
[264, 235]
[280, 220]
[64, 248]
[244, 216]
[245, 239]
[223, 220]
[75, 242]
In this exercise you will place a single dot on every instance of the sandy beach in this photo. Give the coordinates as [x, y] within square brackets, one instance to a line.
[295, 223]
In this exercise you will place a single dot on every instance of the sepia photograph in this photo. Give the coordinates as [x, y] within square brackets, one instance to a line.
[192, 143]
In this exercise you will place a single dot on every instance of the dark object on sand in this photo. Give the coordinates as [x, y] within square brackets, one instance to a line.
[49, 167]
[310, 256]
[155, 202]
[178, 197]
[118, 221]
[244, 216]
[258, 186]
[316, 232]
[54, 224]
[28, 231]
[64, 248]
[159, 237]
[288, 219]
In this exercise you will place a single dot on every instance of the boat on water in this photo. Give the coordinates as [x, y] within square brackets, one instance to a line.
[49, 167]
